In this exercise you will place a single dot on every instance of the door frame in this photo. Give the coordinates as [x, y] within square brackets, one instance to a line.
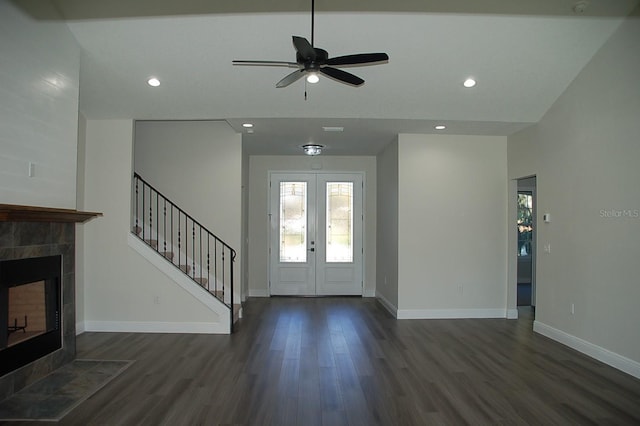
[362, 175]
[512, 246]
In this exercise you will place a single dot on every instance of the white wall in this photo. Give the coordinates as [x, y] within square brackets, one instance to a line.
[452, 238]
[585, 153]
[387, 227]
[258, 230]
[124, 292]
[197, 165]
[39, 73]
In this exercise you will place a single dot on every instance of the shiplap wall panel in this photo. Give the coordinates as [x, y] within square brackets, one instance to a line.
[39, 87]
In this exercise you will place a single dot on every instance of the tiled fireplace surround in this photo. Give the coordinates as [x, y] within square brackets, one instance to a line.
[21, 240]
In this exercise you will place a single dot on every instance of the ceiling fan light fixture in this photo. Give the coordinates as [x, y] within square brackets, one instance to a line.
[312, 149]
[313, 78]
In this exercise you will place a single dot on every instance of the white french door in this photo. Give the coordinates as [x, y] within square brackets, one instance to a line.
[315, 234]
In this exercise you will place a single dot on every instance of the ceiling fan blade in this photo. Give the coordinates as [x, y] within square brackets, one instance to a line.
[267, 63]
[361, 59]
[304, 48]
[342, 76]
[291, 78]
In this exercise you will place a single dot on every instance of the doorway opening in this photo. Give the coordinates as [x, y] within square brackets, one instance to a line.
[316, 240]
[526, 228]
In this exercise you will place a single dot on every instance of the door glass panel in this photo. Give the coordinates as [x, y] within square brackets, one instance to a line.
[339, 232]
[293, 222]
[525, 223]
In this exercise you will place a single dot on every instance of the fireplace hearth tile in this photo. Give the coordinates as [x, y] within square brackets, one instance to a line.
[52, 397]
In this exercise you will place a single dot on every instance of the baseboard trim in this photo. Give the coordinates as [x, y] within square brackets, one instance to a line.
[393, 310]
[156, 327]
[599, 353]
[512, 313]
[450, 313]
[80, 328]
[258, 293]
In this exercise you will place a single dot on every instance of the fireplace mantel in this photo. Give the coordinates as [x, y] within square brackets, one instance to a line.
[14, 213]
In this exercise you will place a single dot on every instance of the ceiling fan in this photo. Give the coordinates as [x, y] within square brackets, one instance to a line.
[312, 60]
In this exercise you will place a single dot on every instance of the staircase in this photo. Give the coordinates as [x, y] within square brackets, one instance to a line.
[182, 241]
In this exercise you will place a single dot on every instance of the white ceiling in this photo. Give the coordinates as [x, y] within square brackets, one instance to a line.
[523, 54]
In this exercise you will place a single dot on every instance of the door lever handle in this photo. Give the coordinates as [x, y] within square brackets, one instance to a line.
[312, 249]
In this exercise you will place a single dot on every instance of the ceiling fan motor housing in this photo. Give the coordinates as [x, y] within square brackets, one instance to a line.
[309, 63]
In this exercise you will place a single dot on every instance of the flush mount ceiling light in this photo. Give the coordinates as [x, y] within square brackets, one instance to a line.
[153, 82]
[580, 6]
[440, 127]
[470, 82]
[312, 149]
[313, 78]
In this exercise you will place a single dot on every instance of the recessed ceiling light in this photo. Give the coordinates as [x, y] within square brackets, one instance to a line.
[313, 78]
[154, 82]
[440, 127]
[247, 125]
[470, 82]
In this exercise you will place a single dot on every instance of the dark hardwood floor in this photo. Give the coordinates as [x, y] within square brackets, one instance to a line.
[346, 361]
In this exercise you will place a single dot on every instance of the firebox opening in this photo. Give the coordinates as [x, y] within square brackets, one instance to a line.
[30, 303]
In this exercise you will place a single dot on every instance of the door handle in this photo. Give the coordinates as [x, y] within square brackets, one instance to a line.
[312, 249]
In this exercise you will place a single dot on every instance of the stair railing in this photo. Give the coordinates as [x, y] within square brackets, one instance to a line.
[184, 242]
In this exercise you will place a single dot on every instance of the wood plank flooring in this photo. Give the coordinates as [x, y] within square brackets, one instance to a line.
[346, 361]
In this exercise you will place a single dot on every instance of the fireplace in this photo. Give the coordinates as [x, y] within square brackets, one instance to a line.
[30, 310]
[28, 233]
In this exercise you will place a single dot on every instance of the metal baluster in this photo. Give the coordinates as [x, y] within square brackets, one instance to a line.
[193, 251]
[137, 198]
[179, 246]
[215, 264]
[164, 222]
[143, 210]
[150, 215]
[208, 270]
[233, 258]
[223, 265]
[157, 222]
[172, 261]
